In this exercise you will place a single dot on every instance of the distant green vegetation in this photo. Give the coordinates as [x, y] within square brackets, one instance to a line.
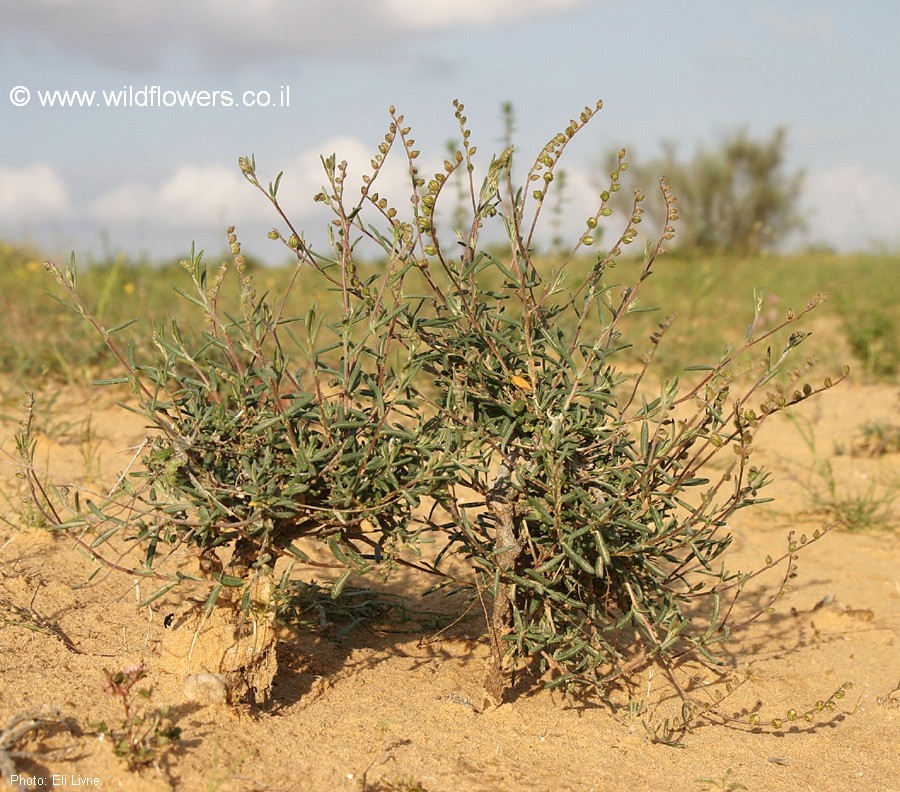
[43, 340]
[712, 299]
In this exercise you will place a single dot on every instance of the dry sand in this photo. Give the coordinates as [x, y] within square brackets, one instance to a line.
[390, 709]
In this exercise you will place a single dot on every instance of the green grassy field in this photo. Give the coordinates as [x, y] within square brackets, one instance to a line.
[712, 300]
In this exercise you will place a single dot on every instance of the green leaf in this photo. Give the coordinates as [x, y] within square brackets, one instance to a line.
[157, 594]
[187, 296]
[338, 587]
[210, 603]
[122, 326]
[112, 381]
[579, 560]
[228, 580]
[273, 188]
[337, 552]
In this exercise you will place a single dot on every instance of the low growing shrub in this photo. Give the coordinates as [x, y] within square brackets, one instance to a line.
[477, 401]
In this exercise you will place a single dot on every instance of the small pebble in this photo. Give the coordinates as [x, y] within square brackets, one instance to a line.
[206, 688]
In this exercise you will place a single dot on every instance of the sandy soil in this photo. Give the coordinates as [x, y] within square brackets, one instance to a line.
[392, 709]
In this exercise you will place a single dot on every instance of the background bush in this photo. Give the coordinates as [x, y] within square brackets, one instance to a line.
[735, 198]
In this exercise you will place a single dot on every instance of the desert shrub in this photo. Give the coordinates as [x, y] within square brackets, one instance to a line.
[244, 459]
[478, 400]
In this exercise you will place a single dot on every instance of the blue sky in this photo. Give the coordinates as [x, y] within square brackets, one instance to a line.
[150, 180]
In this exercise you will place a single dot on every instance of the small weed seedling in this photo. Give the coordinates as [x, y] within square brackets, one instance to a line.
[724, 784]
[877, 438]
[398, 784]
[145, 735]
[855, 510]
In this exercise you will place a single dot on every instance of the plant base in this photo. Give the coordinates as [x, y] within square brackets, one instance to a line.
[239, 646]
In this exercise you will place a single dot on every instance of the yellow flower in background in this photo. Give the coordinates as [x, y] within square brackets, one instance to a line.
[129, 288]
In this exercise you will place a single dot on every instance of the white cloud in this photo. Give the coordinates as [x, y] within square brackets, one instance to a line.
[420, 15]
[139, 33]
[853, 208]
[36, 190]
[192, 195]
[820, 29]
[194, 201]
[218, 195]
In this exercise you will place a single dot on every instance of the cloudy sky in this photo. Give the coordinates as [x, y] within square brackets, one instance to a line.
[150, 180]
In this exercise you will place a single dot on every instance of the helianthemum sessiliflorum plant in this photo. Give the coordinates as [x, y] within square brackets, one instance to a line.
[271, 434]
[468, 393]
[598, 529]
